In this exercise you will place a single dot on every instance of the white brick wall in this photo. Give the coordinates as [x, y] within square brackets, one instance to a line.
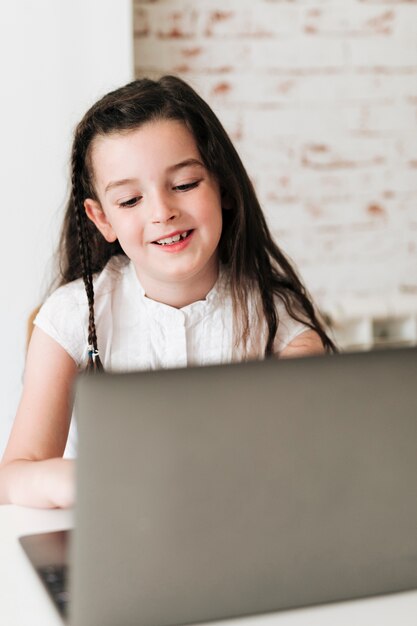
[320, 97]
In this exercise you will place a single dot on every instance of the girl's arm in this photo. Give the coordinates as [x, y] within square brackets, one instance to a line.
[307, 343]
[32, 471]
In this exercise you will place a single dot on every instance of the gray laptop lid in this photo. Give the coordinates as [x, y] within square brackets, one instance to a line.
[217, 492]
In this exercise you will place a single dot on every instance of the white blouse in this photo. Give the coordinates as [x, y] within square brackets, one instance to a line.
[137, 333]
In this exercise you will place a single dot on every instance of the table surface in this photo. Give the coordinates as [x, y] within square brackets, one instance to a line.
[23, 601]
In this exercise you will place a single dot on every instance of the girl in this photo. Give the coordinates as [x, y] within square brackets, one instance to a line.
[166, 261]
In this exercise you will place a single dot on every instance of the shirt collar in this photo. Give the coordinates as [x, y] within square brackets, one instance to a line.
[189, 314]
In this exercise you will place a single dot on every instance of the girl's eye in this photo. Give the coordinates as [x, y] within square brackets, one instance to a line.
[187, 186]
[131, 202]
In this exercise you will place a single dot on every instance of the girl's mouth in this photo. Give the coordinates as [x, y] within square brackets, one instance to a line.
[173, 239]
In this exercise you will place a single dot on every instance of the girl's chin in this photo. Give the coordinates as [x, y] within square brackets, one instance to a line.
[190, 274]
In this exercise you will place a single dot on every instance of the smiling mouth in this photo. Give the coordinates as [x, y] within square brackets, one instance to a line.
[169, 241]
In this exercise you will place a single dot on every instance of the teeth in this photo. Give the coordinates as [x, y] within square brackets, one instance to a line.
[173, 239]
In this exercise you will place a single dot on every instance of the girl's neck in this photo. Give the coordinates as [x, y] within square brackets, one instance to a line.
[181, 293]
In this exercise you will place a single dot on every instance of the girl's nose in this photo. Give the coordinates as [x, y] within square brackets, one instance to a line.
[163, 208]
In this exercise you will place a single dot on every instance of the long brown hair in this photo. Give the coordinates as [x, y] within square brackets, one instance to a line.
[246, 246]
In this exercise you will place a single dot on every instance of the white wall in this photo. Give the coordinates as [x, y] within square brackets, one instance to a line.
[56, 58]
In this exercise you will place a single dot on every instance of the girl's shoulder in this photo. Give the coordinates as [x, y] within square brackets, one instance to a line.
[64, 314]
[288, 326]
[105, 283]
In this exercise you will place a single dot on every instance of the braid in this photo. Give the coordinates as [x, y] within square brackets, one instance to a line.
[94, 363]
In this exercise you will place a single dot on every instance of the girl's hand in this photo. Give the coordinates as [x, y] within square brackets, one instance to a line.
[58, 476]
[32, 471]
[46, 484]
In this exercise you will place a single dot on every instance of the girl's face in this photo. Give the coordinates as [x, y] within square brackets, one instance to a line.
[157, 198]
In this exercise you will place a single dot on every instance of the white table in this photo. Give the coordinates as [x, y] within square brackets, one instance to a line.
[23, 601]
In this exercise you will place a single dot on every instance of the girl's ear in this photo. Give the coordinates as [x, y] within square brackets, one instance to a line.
[96, 214]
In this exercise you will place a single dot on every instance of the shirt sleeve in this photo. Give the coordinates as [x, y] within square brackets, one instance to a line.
[63, 317]
[288, 328]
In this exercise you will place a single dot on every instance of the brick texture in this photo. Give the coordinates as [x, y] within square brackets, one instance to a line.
[320, 98]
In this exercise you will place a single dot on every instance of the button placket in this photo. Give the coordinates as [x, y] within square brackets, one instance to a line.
[176, 339]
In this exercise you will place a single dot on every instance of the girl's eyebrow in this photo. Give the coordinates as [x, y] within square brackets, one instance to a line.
[170, 169]
[186, 163]
[119, 183]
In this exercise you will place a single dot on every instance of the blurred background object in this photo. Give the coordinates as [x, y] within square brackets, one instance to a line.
[320, 98]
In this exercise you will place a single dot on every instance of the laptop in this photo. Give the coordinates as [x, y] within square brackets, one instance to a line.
[223, 491]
